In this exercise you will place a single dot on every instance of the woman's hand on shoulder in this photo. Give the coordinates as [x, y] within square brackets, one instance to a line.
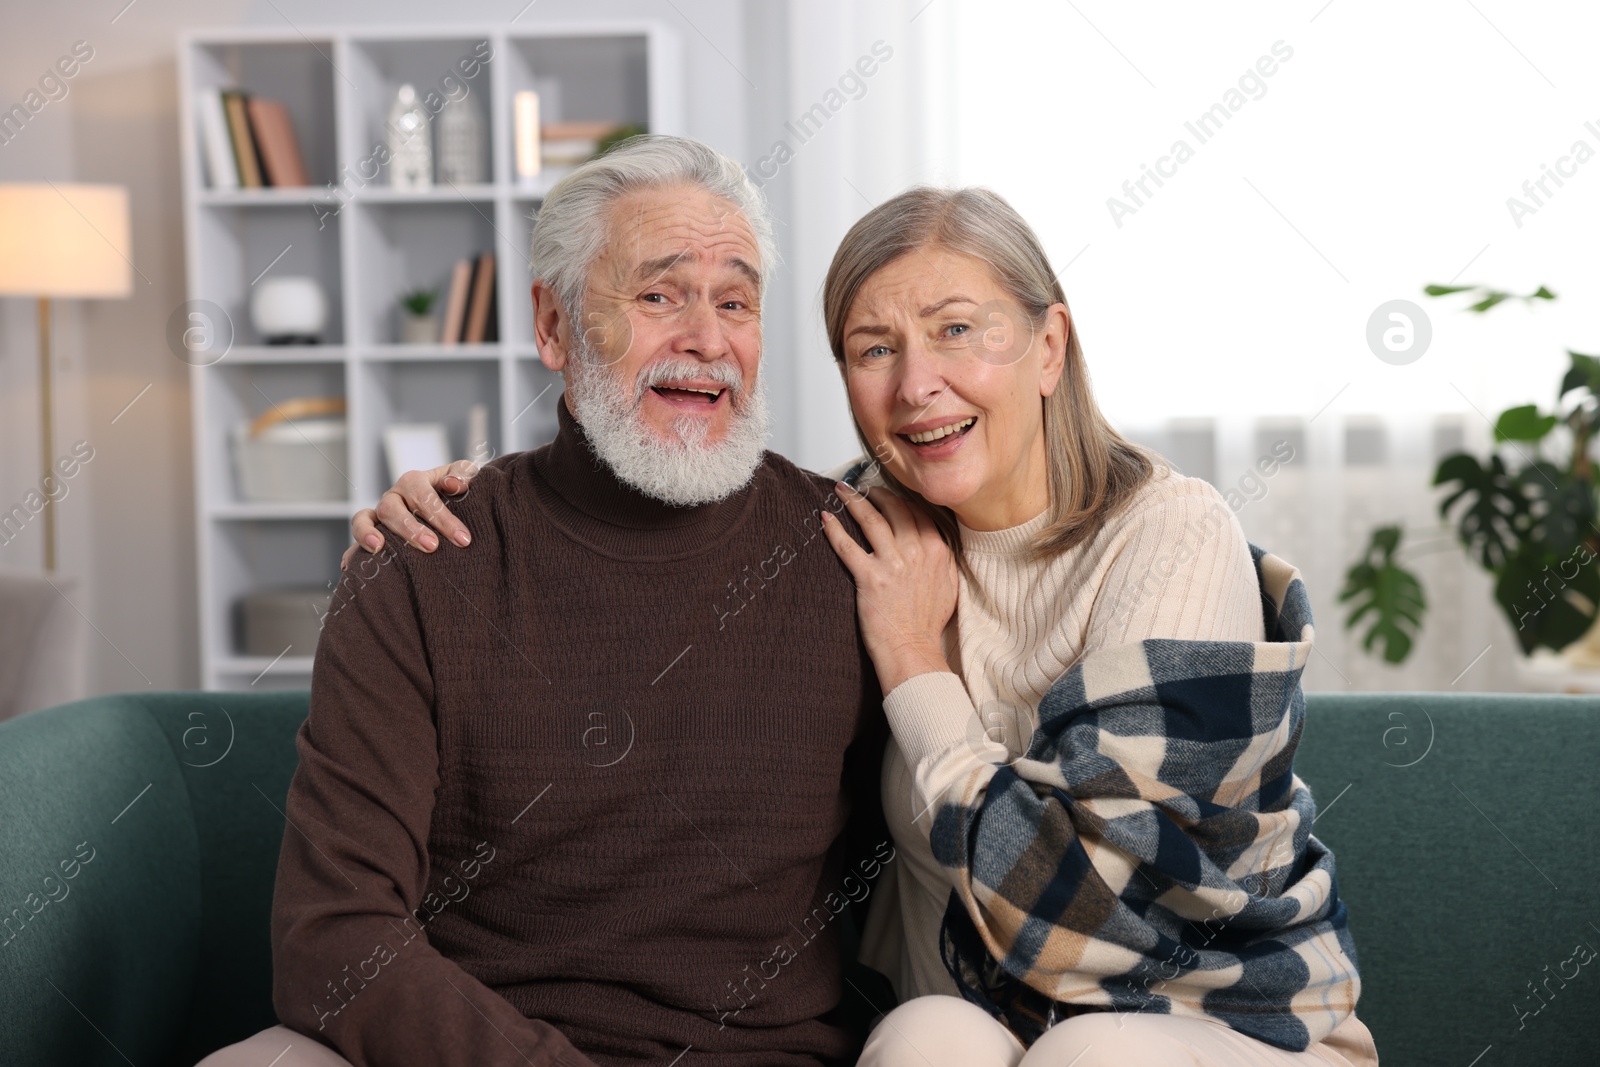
[905, 587]
[415, 493]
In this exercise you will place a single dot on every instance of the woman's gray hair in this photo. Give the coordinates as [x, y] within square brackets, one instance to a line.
[569, 230]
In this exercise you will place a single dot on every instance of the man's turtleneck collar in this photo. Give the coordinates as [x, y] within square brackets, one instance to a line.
[586, 498]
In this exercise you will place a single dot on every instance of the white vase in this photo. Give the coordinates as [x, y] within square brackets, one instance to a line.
[460, 147]
[289, 310]
[410, 142]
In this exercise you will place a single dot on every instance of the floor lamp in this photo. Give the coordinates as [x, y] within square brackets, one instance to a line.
[61, 240]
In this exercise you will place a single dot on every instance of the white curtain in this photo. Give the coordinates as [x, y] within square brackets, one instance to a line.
[1230, 308]
[1345, 476]
[891, 132]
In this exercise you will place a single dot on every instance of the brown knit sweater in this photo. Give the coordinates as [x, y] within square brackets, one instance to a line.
[584, 784]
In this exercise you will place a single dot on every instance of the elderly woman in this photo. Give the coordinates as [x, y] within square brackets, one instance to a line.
[1093, 683]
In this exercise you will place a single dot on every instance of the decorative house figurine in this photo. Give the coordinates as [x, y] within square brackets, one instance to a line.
[410, 143]
[460, 144]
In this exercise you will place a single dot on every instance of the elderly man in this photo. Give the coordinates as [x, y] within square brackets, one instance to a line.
[578, 793]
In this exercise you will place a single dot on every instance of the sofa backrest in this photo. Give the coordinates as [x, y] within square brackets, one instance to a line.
[139, 837]
[1464, 828]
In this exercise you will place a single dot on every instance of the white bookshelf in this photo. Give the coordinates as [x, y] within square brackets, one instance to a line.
[337, 86]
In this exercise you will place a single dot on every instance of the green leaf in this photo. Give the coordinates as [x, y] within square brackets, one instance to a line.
[1381, 588]
[1562, 506]
[419, 301]
[1497, 514]
[1491, 297]
[1549, 597]
[1584, 373]
[1523, 424]
[616, 137]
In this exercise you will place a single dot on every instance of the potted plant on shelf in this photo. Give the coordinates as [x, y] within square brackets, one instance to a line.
[418, 324]
[1527, 518]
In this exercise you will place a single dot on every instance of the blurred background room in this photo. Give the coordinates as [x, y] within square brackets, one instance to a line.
[1247, 204]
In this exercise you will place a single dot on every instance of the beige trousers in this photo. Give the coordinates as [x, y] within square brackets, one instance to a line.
[277, 1047]
[942, 1031]
[948, 1032]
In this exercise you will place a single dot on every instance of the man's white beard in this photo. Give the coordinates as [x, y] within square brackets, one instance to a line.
[682, 469]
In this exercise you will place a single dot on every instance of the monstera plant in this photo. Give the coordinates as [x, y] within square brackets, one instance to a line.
[1528, 519]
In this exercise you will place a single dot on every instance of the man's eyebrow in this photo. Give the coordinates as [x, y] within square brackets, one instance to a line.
[653, 269]
[934, 309]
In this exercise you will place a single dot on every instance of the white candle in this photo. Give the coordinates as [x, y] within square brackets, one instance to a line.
[527, 135]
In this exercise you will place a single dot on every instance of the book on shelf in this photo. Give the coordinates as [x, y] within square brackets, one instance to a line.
[491, 331]
[249, 142]
[221, 168]
[473, 333]
[455, 304]
[274, 135]
[569, 152]
[244, 145]
[566, 144]
[579, 131]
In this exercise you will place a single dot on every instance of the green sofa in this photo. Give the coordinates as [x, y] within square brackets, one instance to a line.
[1465, 827]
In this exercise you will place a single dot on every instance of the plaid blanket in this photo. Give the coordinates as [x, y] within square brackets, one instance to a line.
[1152, 848]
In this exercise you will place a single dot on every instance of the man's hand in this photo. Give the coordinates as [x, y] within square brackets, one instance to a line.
[414, 494]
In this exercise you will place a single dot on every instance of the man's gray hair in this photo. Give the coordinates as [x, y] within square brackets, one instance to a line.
[569, 231]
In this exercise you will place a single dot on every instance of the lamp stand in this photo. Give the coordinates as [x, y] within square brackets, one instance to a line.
[46, 434]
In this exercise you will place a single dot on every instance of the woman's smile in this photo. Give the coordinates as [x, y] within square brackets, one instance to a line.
[933, 438]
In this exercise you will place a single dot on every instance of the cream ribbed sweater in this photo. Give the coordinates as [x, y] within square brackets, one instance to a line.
[1174, 563]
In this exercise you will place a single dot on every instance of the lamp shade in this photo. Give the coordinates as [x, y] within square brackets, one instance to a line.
[64, 240]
